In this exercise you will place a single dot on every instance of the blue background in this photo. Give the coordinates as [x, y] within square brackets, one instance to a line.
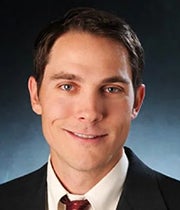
[155, 134]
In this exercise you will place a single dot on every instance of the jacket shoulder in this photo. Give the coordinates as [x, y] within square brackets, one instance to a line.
[170, 189]
[146, 187]
[23, 185]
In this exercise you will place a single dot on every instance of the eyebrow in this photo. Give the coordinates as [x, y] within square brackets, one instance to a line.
[115, 79]
[67, 76]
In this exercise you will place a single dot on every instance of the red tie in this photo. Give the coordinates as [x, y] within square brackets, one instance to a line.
[76, 204]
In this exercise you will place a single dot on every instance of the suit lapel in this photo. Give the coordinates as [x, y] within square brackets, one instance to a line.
[123, 204]
[141, 189]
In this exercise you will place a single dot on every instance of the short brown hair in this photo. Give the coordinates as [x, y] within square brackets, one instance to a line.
[97, 22]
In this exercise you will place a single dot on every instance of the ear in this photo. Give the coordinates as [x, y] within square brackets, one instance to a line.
[34, 97]
[139, 98]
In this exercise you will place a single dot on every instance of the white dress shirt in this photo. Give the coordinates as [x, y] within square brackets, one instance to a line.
[104, 195]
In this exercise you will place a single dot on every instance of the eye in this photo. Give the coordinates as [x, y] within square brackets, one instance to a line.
[113, 89]
[66, 87]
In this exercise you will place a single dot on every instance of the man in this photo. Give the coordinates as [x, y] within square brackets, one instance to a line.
[87, 87]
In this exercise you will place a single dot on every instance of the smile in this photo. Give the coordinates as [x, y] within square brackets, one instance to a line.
[86, 136]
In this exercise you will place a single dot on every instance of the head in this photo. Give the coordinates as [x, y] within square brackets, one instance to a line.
[99, 23]
[87, 88]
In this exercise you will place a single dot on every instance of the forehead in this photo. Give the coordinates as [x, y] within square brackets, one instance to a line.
[83, 40]
[87, 52]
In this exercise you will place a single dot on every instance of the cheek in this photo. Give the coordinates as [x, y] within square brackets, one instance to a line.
[120, 117]
[121, 110]
[120, 122]
[55, 112]
[56, 108]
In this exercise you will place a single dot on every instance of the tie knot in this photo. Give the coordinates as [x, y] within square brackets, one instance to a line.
[76, 204]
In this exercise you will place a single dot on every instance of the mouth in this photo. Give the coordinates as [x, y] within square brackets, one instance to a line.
[87, 136]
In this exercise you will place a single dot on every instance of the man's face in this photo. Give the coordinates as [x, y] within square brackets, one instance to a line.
[86, 101]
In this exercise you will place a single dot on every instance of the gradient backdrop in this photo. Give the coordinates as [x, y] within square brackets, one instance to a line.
[155, 134]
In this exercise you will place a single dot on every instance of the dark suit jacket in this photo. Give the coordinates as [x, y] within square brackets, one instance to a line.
[144, 189]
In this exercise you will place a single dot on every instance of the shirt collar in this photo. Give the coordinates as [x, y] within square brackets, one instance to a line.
[104, 195]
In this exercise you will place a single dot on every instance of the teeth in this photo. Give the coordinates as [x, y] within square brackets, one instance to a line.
[85, 136]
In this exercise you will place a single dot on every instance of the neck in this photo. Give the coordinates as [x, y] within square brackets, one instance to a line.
[78, 181]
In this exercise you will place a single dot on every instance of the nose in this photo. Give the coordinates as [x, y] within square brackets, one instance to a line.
[90, 108]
